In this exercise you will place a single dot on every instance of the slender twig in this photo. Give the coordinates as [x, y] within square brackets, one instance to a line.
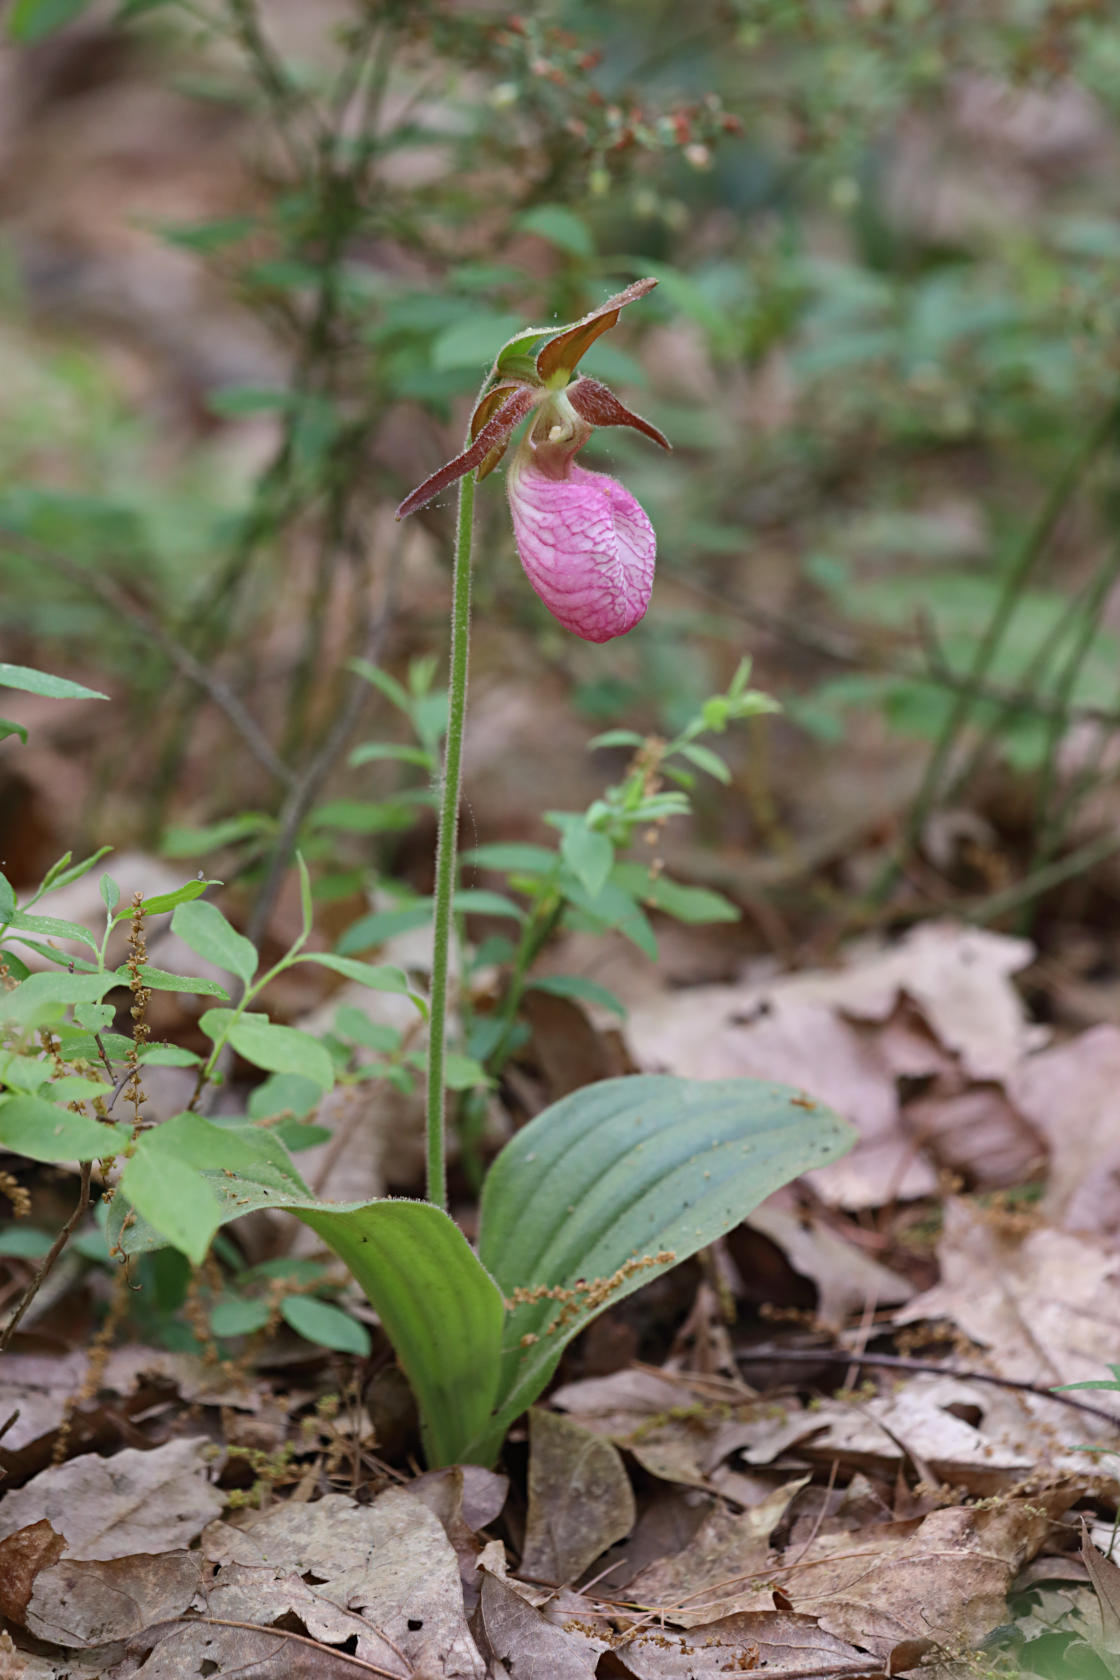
[446, 845]
[51, 1256]
[117, 599]
[902, 1362]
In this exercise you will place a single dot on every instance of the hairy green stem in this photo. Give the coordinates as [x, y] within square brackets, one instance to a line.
[446, 844]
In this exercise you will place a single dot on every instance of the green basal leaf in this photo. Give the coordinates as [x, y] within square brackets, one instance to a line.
[618, 1182]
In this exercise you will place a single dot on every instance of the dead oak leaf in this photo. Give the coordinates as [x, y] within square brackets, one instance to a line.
[580, 1499]
[713, 1572]
[389, 1561]
[526, 1645]
[945, 1578]
[769, 1642]
[135, 1502]
[83, 1603]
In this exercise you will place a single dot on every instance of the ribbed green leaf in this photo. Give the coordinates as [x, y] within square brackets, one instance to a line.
[617, 1174]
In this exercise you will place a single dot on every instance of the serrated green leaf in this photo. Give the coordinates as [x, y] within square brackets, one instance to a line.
[168, 1055]
[208, 933]
[110, 893]
[624, 1171]
[327, 1325]
[480, 902]
[7, 900]
[33, 1127]
[560, 226]
[174, 1199]
[25, 1242]
[364, 816]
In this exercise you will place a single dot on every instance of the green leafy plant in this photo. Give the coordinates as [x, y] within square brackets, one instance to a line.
[605, 1188]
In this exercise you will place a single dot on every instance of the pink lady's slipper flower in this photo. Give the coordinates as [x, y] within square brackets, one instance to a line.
[587, 547]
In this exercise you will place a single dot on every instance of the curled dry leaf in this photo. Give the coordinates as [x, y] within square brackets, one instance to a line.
[526, 1646]
[1042, 1306]
[580, 1500]
[707, 1579]
[1081, 1078]
[80, 1604]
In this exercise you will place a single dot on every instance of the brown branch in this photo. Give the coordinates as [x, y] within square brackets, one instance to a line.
[49, 1258]
[150, 630]
[902, 1362]
[299, 1638]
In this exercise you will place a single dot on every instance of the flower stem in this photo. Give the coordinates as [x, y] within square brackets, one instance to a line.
[446, 842]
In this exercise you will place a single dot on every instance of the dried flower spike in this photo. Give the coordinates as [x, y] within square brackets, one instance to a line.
[587, 547]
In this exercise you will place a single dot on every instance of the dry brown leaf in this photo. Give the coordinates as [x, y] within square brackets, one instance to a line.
[22, 1556]
[134, 1502]
[944, 1578]
[975, 1130]
[1105, 1576]
[527, 1645]
[580, 1499]
[464, 1497]
[845, 1277]
[389, 1561]
[704, 1580]
[192, 1650]
[81, 1604]
[769, 1641]
[1072, 1095]
[1043, 1307]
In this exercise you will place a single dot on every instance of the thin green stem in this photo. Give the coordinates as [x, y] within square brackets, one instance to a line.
[446, 845]
[537, 932]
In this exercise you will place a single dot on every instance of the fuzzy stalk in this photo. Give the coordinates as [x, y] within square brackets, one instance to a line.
[447, 842]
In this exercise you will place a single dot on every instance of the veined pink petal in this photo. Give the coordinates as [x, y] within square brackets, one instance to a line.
[587, 546]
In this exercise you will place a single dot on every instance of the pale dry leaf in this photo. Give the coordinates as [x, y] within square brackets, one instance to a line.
[527, 1645]
[137, 1501]
[580, 1499]
[390, 1561]
[975, 1130]
[1042, 1306]
[195, 1650]
[1071, 1093]
[960, 979]
[243, 1593]
[716, 1569]
[464, 1497]
[80, 1603]
[1105, 1576]
[771, 1642]
[945, 1577]
[926, 1418]
[845, 1277]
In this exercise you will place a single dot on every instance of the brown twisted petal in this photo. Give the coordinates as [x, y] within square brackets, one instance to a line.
[494, 433]
[562, 353]
[600, 407]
